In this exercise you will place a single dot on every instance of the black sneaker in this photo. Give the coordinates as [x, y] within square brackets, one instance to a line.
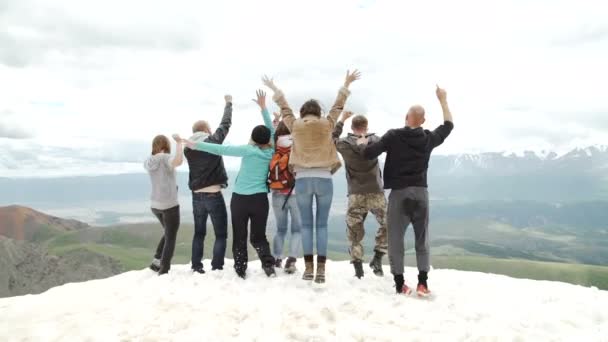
[199, 270]
[154, 267]
[277, 263]
[358, 268]
[269, 270]
[217, 268]
[376, 264]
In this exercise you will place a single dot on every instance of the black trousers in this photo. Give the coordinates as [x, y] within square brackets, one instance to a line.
[169, 219]
[245, 209]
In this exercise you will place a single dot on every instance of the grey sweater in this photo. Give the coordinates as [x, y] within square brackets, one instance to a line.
[362, 175]
[162, 177]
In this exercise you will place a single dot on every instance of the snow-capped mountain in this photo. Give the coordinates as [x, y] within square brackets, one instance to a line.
[580, 174]
[218, 306]
[520, 162]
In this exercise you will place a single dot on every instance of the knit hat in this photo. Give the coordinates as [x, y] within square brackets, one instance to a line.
[260, 135]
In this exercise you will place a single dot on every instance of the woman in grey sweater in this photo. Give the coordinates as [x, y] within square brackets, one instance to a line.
[161, 168]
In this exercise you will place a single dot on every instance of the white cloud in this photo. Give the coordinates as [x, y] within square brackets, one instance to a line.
[117, 73]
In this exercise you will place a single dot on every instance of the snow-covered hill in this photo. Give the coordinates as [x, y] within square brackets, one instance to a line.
[140, 306]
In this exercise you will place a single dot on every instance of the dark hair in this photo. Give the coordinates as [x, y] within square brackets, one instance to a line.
[280, 130]
[160, 144]
[359, 122]
[310, 107]
[260, 135]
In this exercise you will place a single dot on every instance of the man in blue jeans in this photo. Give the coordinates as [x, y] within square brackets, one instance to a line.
[206, 180]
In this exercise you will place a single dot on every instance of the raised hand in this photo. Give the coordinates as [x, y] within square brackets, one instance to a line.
[177, 138]
[269, 82]
[346, 115]
[261, 99]
[228, 98]
[351, 77]
[442, 95]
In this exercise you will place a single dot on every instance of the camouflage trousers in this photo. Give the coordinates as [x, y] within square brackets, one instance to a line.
[359, 205]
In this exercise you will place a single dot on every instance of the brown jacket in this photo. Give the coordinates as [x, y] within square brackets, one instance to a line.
[313, 144]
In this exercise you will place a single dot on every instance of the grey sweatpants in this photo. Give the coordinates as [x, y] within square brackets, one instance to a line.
[405, 206]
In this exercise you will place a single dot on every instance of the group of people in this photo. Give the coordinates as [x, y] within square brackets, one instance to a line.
[294, 159]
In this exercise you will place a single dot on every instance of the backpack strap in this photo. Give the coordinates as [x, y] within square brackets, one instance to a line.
[288, 195]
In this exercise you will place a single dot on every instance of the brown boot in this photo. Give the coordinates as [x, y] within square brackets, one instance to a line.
[320, 278]
[309, 265]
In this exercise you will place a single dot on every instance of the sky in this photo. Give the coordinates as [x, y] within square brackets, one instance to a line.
[86, 85]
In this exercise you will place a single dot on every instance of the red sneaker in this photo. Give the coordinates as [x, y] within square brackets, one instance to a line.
[405, 290]
[423, 291]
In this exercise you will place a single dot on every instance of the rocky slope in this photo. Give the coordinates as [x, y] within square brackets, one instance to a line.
[27, 268]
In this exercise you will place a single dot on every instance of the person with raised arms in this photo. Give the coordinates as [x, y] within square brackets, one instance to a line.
[160, 166]
[408, 151]
[249, 203]
[315, 160]
[206, 180]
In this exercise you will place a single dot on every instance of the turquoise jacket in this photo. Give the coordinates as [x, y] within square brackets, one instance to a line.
[253, 175]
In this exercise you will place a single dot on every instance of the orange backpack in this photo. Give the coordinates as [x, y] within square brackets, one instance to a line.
[279, 176]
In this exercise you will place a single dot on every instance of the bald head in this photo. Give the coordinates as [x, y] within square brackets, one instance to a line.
[201, 126]
[415, 116]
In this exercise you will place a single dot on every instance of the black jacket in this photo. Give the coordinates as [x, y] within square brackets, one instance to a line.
[407, 154]
[363, 176]
[207, 169]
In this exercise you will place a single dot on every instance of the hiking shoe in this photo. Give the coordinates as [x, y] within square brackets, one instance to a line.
[404, 290]
[358, 268]
[269, 270]
[199, 270]
[422, 290]
[290, 265]
[376, 264]
[309, 272]
[278, 263]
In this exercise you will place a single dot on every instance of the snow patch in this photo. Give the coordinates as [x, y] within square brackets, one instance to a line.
[218, 306]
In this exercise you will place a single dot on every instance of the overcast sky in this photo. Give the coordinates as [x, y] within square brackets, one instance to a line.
[86, 85]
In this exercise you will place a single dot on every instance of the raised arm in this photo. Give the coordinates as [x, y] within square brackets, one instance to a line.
[178, 159]
[442, 96]
[339, 128]
[222, 131]
[279, 98]
[343, 94]
[261, 102]
[439, 135]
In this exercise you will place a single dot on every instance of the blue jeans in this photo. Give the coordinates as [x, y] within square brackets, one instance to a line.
[204, 205]
[281, 217]
[322, 189]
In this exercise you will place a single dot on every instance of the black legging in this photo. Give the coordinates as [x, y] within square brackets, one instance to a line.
[169, 219]
[245, 208]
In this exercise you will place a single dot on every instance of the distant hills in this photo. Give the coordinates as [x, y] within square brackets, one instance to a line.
[22, 223]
